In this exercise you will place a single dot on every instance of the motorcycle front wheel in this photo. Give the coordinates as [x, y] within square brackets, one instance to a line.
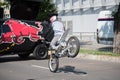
[53, 63]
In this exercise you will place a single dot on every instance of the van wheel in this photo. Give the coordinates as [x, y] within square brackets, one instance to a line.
[23, 55]
[40, 52]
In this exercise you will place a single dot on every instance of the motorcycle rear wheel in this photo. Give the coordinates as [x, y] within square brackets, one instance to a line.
[74, 45]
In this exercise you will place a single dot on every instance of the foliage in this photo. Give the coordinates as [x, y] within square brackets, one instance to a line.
[113, 13]
[116, 14]
[4, 4]
[46, 7]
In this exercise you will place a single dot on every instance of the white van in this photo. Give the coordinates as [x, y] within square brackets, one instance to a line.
[105, 27]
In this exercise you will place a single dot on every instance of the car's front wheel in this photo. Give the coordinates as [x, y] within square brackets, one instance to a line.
[40, 51]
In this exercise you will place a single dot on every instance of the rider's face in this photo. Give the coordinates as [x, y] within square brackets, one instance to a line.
[53, 18]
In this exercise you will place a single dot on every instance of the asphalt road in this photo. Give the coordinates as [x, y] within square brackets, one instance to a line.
[14, 68]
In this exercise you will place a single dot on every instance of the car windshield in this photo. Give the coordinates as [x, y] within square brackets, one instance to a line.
[5, 28]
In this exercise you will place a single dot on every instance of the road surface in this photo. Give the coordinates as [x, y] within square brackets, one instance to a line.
[14, 68]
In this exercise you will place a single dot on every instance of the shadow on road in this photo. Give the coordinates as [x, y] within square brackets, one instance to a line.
[71, 69]
[14, 58]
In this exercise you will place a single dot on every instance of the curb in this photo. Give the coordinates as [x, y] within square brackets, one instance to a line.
[99, 57]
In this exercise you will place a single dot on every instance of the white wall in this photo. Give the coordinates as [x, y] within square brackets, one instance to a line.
[83, 23]
[86, 23]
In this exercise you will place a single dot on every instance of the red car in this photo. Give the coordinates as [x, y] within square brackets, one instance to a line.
[24, 37]
[17, 30]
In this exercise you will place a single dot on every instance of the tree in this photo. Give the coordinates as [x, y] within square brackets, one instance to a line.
[46, 7]
[31, 9]
[4, 4]
[116, 45]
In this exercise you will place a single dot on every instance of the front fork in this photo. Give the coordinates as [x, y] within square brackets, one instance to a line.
[51, 52]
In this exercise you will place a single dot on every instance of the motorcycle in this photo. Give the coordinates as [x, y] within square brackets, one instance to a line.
[69, 48]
